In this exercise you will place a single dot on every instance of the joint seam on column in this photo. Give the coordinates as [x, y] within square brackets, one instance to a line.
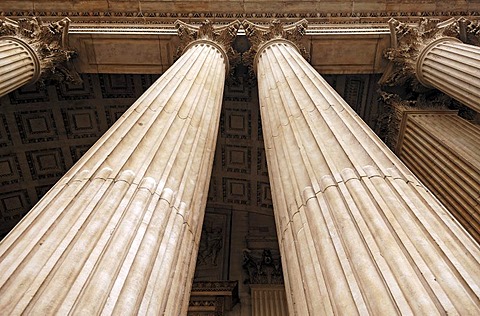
[335, 183]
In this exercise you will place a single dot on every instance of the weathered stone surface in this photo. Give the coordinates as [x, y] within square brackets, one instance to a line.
[442, 150]
[358, 233]
[221, 35]
[119, 233]
[431, 55]
[408, 42]
[47, 40]
[32, 49]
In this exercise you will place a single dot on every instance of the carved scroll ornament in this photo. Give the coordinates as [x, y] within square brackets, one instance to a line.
[48, 41]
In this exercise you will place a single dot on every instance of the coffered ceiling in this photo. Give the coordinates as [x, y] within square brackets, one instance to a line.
[45, 130]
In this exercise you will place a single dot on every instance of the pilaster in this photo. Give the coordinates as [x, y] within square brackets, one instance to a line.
[441, 149]
[119, 233]
[268, 299]
[357, 231]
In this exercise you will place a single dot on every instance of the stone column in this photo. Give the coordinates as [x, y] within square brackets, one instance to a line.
[442, 149]
[452, 67]
[358, 233]
[268, 300]
[430, 54]
[119, 233]
[30, 49]
[19, 65]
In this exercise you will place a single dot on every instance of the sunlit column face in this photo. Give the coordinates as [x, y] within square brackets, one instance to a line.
[119, 233]
[356, 227]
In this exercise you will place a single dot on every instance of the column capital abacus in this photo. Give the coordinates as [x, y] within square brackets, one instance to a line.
[47, 42]
[407, 44]
[261, 37]
[220, 37]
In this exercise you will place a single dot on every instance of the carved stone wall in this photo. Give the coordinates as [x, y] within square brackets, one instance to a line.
[214, 251]
[224, 9]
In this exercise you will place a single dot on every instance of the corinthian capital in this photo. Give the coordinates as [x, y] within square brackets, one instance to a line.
[47, 40]
[407, 43]
[222, 35]
[260, 35]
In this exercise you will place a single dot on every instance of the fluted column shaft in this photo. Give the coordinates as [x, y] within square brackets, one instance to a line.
[119, 233]
[453, 68]
[268, 300]
[358, 234]
[19, 65]
[442, 149]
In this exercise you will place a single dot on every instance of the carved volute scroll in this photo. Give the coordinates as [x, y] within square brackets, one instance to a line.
[408, 41]
[433, 56]
[48, 41]
[219, 36]
[261, 36]
[468, 31]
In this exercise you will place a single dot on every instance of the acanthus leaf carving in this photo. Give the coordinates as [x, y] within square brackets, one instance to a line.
[469, 31]
[261, 268]
[388, 125]
[48, 41]
[222, 35]
[258, 35]
[407, 43]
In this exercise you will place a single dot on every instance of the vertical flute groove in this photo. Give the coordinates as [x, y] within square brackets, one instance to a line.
[385, 246]
[448, 163]
[452, 68]
[18, 65]
[113, 242]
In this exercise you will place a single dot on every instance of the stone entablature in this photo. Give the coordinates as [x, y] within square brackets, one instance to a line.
[189, 10]
[112, 47]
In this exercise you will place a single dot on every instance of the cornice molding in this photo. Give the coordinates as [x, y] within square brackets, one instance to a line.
[143, 17]
[169, 29]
